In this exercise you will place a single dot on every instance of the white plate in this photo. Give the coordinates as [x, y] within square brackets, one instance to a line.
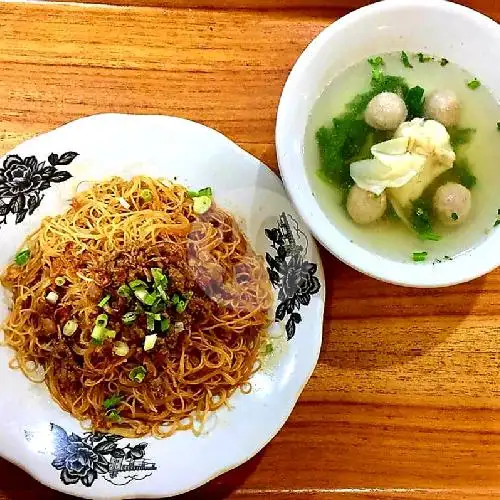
[47, 442]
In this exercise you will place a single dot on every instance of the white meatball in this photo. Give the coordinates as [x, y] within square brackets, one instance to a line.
[365, 207]
[386, 111]
[452, 203]
[443, 106]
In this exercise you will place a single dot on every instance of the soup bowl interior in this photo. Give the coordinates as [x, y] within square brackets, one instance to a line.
[447, 30]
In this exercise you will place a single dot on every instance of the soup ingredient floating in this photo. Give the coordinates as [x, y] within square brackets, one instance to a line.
[397, 154]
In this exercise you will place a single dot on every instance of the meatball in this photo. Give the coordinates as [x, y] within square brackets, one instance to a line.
[386, 111]
[443, 107]
[365, 207]
[452, 203]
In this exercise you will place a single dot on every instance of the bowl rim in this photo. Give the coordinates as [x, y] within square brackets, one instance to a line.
[464, 268]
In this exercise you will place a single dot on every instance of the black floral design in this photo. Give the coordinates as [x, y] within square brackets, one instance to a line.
[84, 459]
[290, 272]
[23, 179]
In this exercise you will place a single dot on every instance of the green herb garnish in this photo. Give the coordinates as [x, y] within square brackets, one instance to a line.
[269, 348]
[60, 281]
[104, 301]
[146, 195]
[113, 415]
[420, 216]
[454, 216]
[165, 324]
[498, 126]
[137, 374]
[137, 284]
[202, 192]
[23, 257]
[423, 58]
[474, 84]
[414, 100]
[70, 328]
[405, 60]
[112, 401]
[125, 291]
[460, 136]
[444, 61]
[102, 320]
[129, 318]
[419, 256]
[376, 63]
[463, 172]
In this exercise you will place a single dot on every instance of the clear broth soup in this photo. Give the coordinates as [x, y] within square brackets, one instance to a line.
[479, 110]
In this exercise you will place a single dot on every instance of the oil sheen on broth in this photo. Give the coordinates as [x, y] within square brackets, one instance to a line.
[479, 110]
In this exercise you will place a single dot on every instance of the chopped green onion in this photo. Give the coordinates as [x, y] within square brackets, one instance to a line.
[158, 306]
[52, 297]
[474, 84]
[175, 299]
[376, 63]
[113, 416]
[60, 281]
[124, 203]
[104, 301]
[269, 348]
[137, 374]
[112, 401]
[405, 60]
[141, 294]
[201, 204]
[70, 328]
[444, 61]
[151, 298]
[150, 341]
[120, 349]
[429, 236]
[146, 195]
[454, 216]
[165, 324]
[202, 192]
[22, 257]
[181, 306]
[98, 334]
[150, 322]
[102, 320]
[137, 284]
[125, 291]
[129, 318]
[422, 58]
[419, 256]
[111, 334]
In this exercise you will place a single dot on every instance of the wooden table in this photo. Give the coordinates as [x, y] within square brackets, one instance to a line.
[405, 400]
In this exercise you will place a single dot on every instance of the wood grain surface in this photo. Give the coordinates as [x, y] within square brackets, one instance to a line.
[405, 400]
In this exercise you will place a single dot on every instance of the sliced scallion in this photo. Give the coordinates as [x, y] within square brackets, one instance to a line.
[146, 195]
[201, 204]
[150, 341]
[419, 256]
[98, 334]
[269, 348]
[112, 401]
[125, 291]
[137, 374]
[113, 415]
[104, 301]
[137, 284]
[129, 318]
[120, 349]
[60, 281]
[23, 257]
[70, 328]
[165, 324]
[102, 320]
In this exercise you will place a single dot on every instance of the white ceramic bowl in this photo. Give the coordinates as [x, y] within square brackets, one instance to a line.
[463, 36]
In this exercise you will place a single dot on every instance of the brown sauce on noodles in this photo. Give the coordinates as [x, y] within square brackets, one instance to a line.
[210, 349]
